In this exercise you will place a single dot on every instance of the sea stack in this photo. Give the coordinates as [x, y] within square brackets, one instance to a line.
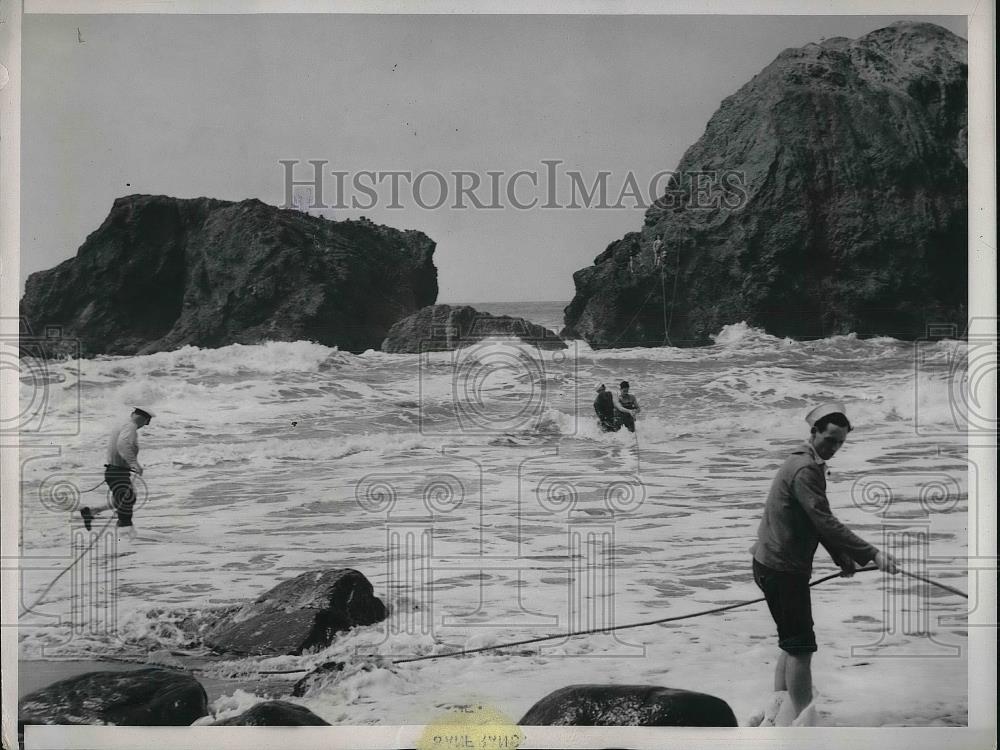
[161, 273]
[835, 202]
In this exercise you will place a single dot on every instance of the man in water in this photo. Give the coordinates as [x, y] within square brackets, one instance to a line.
[626, 407]
[797, 517]
[604, 405]
[121, 460]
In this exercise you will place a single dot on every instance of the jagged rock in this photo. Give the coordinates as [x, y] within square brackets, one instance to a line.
[850, 216]
[161, 273]
[143, 697]
[305, 612]
[629, 706]
[444, 328]
[274, 714]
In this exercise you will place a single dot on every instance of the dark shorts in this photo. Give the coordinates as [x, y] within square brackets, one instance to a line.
[788, 599]
[119, 481]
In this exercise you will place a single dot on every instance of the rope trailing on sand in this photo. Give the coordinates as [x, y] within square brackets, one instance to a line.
[657, 621]
[593, 631]
[67, 569]
[661, 620]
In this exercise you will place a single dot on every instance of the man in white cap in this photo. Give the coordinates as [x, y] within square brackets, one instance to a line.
[122, 458]
[797, 518]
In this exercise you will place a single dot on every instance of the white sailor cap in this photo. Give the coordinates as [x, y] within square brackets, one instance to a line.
[144, 411]
[823, 410]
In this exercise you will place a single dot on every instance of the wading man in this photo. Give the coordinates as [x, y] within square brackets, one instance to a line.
[121, 460]
[626, 407]
[797, 518]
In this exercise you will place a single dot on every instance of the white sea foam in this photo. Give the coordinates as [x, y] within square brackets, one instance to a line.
[267, 461]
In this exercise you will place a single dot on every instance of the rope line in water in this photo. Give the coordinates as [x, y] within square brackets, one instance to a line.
[68, 568]
[593, 631]
[612, 628]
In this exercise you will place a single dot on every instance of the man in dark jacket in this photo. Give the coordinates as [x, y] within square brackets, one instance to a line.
[604, 406]
[797, 518]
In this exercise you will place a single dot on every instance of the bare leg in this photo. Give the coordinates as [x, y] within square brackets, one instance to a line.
[798, 677]
[779, 672]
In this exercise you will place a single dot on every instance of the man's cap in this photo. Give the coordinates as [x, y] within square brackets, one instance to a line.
[143, 411]
[623, 384]
[825, 410]
[600, 387]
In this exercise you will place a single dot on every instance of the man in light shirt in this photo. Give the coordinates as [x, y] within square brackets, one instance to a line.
[797, 519]
[122, 458]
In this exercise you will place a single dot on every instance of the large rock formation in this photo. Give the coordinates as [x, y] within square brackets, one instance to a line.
[143, 697]
[161, 273]
[629, 706]
[445, 328]
[838, 205]
[302, 613]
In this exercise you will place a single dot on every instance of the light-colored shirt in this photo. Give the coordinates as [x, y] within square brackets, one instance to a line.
[123, 447]
[797, 518]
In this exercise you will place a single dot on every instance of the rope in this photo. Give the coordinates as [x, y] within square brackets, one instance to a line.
[936, 583]
[593, 631]
[653, 622]
[673, 297]
[65, 570]
[92, 488]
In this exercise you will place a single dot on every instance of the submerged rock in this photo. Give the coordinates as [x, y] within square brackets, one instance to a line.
[629, 706]
[161, 273]
[274, 714]
[143, 697]
[445, 328]
[827, 196]
[302, 613]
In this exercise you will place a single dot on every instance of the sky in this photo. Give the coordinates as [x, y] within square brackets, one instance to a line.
[192, 106]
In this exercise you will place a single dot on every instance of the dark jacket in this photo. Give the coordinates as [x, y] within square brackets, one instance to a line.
[797, 517]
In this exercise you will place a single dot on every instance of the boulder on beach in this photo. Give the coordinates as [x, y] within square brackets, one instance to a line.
[829, 195]
[446, 328]
[274, 714]
[142, 697]
[161, 273]
[629, 706]
[305, 612]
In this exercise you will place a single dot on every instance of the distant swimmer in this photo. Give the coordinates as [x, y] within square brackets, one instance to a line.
[626, 407]
[797, 518]
[604, 405]
[121, 460]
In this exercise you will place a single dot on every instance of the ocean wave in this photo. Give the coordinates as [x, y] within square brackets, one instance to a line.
[268, 358]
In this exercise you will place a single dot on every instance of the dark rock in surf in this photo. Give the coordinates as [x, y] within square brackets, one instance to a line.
[445, 328]
[305, 612]
[161, 273]
[274, 714]
[629, 706]
[142, 697]
[839, 204]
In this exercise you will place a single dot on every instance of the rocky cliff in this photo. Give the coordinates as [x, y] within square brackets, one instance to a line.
[162, 272]
[446, 328]
[835, 201]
